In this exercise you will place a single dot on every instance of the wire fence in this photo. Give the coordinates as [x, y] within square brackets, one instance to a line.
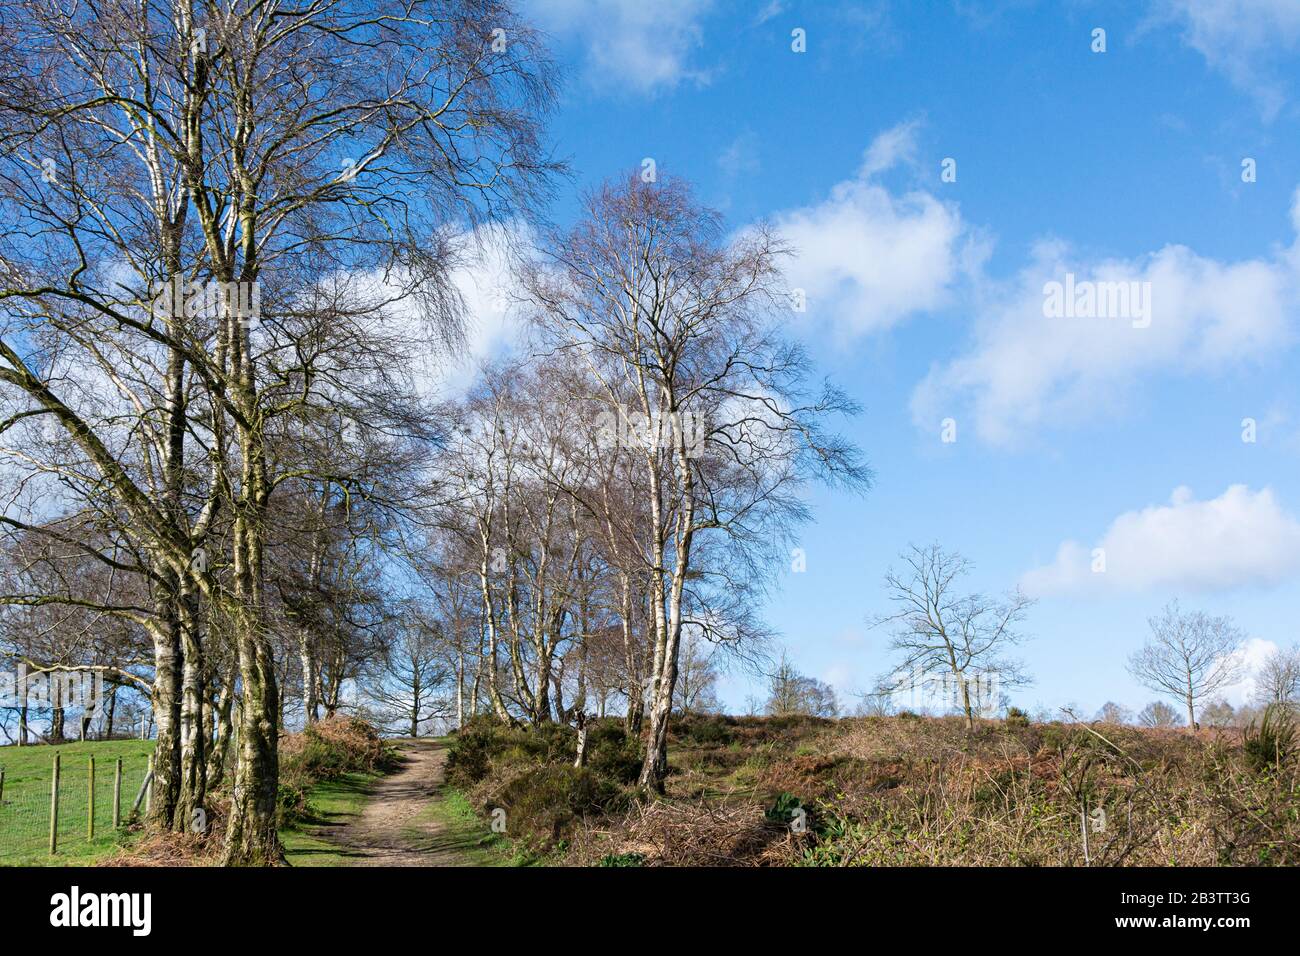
[80, 815]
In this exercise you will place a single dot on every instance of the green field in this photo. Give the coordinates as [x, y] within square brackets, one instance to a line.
[25, 804]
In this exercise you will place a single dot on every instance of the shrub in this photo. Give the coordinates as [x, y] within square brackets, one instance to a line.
[622, 859]
[611, 752]
[543, 803]
[292, 804]
[484, 741]
[326, 750]
[332, 747]
[1016, 717]
[470, 756]
[550, 742]
[704, 731]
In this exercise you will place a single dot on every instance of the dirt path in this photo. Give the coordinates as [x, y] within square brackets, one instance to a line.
[396, 827]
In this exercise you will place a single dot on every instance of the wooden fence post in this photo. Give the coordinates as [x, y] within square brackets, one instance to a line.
[54, 808]
[90, 809]
[144, 789]
[148, 793]
[2, 785]
[117, 795]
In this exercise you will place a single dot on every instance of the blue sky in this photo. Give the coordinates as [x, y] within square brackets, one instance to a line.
[925, 296]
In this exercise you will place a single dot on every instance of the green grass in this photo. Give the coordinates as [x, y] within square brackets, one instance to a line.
[25, 810]
[470, 838]
[332, 803]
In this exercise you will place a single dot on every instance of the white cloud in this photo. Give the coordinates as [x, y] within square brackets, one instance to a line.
[1251, 657]
[629, 43]
[889, 149]
[1243, 38]
[1024, 368]
[489, 288]
[867, 258]
[1241, 538]
[485, 279]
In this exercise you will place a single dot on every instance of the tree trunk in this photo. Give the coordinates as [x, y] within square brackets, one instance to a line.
[655, 766]
[221, 737]
[475, 688]
[251, 834]
[581, 718]
[965, 702]
[166, 699]
[251, 837]
[542, 696]
[192, 796]
[310, 676]
[460, 689]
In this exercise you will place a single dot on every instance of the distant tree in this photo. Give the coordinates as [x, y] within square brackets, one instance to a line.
[411, 685]
[1245, 715]
[877, 702]
[1159, 714]
[1113, 713]
[1189, 656]
[962, 637]
[783, 694]
[819, 698]
[1217, 713]
[790, 692]
[697, 677]
[1278, 679]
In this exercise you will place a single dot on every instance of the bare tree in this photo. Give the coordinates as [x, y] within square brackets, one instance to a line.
[323, 155]
[1278, 678]
[963, 638]
[877, 702]
[410, 686]
[697, 677]
[1218, 713]
[1113, 713]
[1189, 656]
[792, 693]
[676, 326]
[1158, 714]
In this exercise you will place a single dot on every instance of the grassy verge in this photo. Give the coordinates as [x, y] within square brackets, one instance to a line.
[466, 833]
[331, 804]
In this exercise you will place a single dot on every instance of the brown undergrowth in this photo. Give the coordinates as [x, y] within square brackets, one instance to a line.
[907, 791]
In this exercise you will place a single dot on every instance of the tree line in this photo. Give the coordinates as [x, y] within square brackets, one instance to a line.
[230, 258]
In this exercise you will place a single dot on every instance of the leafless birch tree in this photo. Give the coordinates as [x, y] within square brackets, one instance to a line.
[1189, 656]
[676, 325]
[322, 155]
[963, 637]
